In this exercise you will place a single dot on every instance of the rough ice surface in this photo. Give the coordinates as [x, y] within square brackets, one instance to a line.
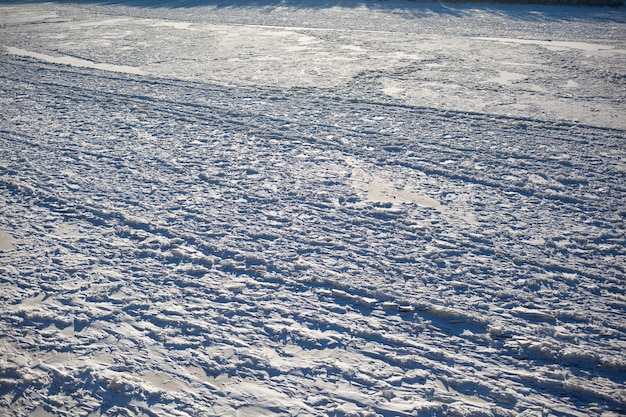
[377, 209]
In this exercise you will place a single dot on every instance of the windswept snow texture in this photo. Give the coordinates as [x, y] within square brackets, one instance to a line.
[401, 210]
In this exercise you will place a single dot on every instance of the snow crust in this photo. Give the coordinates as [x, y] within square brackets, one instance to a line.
[391, 210]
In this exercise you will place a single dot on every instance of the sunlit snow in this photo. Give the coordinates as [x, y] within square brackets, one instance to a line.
[348, 209]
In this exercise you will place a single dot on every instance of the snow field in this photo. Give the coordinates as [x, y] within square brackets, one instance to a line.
[187, 238]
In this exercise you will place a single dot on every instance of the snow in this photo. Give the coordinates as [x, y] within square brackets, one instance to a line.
[385, 208]
[76, 62]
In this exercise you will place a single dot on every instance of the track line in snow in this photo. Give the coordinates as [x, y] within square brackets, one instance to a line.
[184, 247]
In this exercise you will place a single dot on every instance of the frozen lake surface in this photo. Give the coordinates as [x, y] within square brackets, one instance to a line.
[391, 209]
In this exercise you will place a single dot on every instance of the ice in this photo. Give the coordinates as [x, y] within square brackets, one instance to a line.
[72, 61]
[377, 209]
[508, 78]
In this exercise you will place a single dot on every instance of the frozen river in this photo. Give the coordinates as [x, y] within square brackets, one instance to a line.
[389, 209]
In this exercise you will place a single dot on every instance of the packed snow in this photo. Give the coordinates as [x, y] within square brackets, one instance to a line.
[354, 209]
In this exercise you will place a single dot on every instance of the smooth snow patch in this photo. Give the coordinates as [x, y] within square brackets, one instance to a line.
[106, 22]
[74, 62]
[392, 90]
[40, 412]
[262, 397]
[508, 78]
[173, 24]
[558, 45]
[161, 380]
[6, 241]
[376, 189]
[380, 191]
[149, 22]
[253, 411]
